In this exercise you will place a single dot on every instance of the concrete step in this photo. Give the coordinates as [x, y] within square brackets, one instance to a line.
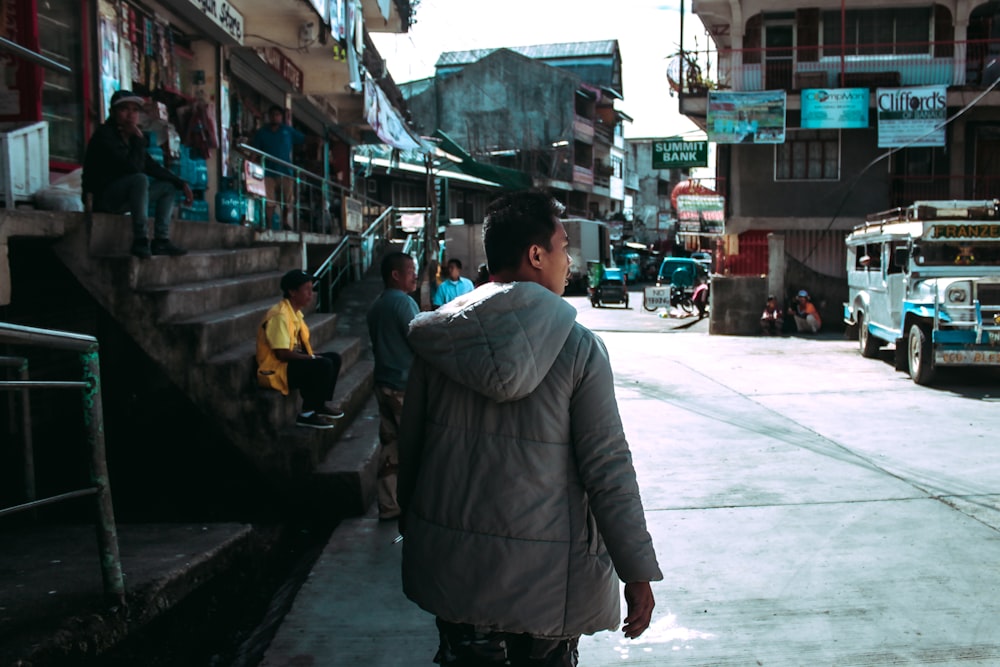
[210, 334]
[111, 235]
[298, 451]
[346, 478]
[202, 265]
[280, 410]
[188, 300]
[240, 361]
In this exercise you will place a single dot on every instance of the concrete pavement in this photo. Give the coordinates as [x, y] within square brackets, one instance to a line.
[808, 506]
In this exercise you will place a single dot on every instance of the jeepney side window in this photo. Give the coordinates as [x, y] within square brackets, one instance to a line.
[872, 257]
[894, 267]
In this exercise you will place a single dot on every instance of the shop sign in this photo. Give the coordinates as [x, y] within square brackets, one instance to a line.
[675, 153]
[281, 64]
[701, 214]
[832, 108]
[222, 14]
[911, 116]
[354, 216]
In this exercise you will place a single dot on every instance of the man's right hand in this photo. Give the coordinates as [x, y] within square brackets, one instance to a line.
[639, 598]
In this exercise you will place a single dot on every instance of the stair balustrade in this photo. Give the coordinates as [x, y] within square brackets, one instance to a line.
[93, 418]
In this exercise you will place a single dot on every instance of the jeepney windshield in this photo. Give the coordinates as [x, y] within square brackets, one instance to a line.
[979, 253]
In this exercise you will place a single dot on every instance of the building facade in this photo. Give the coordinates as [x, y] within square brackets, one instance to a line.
[932, 63]
[546, 110]
[210, 71]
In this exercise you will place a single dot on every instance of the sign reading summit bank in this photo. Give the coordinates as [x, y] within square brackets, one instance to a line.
[831, 108]
[674, 153]
[911, 116]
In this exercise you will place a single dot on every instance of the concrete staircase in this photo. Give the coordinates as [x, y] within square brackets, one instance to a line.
[196, 317]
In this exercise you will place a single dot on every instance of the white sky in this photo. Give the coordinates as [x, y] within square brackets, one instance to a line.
[648, 31]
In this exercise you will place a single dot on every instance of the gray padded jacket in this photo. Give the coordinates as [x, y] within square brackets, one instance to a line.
[516, 481]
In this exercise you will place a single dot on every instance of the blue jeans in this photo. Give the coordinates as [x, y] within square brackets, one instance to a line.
[133, 193]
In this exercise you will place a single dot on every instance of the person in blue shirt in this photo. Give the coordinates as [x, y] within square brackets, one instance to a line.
[455, 286]
[277, 139]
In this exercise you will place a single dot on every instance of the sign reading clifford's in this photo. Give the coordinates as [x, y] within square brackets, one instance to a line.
[911, 116]
[674, 153]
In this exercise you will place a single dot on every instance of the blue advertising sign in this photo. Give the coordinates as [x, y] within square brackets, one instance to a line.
[833, 108]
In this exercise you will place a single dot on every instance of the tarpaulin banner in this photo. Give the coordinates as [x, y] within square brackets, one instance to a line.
[746, 118]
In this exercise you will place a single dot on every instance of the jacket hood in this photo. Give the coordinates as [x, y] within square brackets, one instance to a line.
[499, 340]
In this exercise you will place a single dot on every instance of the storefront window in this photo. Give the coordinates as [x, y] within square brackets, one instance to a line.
[59, 35]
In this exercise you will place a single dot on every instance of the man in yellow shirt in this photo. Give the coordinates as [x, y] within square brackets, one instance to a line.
[285, 358]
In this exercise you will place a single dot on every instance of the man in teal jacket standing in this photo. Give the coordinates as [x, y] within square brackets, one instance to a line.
[521, 510]
[277, 139]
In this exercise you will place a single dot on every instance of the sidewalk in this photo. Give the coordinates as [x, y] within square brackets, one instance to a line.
[809, 508]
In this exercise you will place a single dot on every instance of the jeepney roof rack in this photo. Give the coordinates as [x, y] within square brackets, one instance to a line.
[943, 209]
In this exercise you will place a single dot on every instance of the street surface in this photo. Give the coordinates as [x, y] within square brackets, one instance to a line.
[809, 507]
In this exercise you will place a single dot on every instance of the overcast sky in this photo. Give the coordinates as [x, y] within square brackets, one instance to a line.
[648, 31]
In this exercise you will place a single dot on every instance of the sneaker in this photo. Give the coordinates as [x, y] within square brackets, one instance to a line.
[313, 421]
[140, 248]
[330, 413]
[165, 247]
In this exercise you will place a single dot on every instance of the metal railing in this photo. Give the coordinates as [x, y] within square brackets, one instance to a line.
[351, 258]
[869, 65]
[93, 417]
[316, 204]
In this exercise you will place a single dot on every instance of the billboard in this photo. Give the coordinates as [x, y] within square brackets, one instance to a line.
[701, 214]
[911, 116]
[746, 118]
[834, 108]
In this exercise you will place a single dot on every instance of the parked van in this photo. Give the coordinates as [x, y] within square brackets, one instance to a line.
[926, 278]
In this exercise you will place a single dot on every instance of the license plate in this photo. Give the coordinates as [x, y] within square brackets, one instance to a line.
[967, 358]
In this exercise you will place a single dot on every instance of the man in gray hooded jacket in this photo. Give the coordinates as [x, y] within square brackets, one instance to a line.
[519, 498]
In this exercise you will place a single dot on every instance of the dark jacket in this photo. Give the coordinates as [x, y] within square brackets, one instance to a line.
[109, 158]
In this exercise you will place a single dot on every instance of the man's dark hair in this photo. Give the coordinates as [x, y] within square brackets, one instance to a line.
[394, 261]
[457, 262]
[275, 107]
[516, 221]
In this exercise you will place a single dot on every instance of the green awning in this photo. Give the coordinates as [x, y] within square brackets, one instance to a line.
[510, 179]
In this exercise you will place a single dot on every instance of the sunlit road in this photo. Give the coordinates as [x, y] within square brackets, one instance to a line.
[809, 508]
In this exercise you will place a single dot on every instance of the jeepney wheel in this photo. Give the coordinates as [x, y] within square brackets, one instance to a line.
[919, 355]
[868, 343]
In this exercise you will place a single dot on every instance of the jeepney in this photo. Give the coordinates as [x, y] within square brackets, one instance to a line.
[926, 278]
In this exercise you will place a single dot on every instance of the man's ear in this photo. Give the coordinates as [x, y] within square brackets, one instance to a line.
[535, 256]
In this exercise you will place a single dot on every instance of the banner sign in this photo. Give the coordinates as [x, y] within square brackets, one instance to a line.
[746, 118]
[674, 153]
[834, 108]
[701, 214]
[911, 116]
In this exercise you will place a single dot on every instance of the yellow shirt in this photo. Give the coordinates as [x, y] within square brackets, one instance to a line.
[283, 328]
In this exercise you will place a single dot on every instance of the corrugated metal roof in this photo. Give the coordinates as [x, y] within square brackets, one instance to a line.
[538, 51]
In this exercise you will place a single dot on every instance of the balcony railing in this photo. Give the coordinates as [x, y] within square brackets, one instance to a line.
[950, 63]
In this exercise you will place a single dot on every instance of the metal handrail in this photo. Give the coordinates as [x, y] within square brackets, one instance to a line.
[304, 210]
[27, 444]
[93, 416]
[351, 265]
[32, 56]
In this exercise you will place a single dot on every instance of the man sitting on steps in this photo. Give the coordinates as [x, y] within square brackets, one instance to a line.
[121, 176]
[285, 358]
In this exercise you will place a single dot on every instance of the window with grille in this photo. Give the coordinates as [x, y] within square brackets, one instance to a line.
[808, 155]
[878, 31]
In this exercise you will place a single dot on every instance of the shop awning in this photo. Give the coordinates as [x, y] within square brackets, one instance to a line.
[510, 179]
